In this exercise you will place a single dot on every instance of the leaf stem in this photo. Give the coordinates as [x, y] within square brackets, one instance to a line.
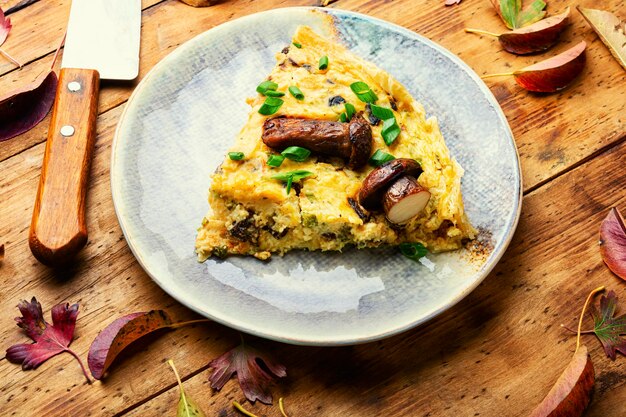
[582, 313]
[180, 383]
[71, 352]
[187, 323]
[242, 410]
[481, 32]
[281, 407]
[502, 74]
[575, 332]
[10, 58]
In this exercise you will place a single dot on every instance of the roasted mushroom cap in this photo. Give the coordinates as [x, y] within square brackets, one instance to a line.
[381, 178]
[350, 141]
[404, 200]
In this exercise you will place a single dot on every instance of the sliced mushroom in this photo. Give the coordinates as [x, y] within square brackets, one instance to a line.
[404, 200]
[380, 179]
[351, 141]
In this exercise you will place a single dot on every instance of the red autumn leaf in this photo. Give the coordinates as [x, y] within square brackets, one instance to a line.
[571, 393]
[2, 252]
[111, 341]
[49, 340]
[613, 243]
[248, 363]
[21, 110]
[5, 27]
[609, 328]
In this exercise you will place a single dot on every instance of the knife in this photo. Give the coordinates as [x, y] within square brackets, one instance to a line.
[102, 42]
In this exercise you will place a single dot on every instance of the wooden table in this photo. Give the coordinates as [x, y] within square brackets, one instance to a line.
[496, 353]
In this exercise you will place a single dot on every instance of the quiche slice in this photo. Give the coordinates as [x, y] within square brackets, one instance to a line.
[335, 152]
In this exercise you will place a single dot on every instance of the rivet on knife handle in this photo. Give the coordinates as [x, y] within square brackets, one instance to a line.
[58, 230]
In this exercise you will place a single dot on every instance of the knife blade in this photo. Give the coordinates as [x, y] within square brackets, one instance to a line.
[102, 42]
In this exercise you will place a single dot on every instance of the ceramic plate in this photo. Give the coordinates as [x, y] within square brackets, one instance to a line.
[184, 115]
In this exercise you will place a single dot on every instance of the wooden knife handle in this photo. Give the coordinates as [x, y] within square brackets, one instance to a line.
[58, 230]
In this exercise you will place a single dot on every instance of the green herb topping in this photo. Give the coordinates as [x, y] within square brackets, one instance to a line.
[273, 93]
[296, 92]
[271, 106]
[323, 62]
[363, 92]
[297, 45]
[347, 115]
[296, 153]
[390, 130]
[275, 160]
[265, 86]
[413, 251]
[235, 156]
[380, 158]
[291, 177]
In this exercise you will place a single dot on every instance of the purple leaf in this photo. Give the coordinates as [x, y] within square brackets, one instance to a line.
[613, 243]
[247, 362]
[23, 109]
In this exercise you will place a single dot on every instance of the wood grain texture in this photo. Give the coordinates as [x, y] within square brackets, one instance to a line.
[497, 353]
[58, 230]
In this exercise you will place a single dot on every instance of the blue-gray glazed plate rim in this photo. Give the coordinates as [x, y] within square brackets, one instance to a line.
[136, 238]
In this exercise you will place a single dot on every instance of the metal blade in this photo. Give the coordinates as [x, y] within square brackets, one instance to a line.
[104, 35]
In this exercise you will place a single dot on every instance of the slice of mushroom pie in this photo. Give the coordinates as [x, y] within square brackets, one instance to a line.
[335, 153]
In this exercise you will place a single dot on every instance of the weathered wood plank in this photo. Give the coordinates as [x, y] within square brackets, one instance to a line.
[497, 353]
[552, 131]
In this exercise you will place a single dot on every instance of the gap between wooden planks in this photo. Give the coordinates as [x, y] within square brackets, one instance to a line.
[553, 132]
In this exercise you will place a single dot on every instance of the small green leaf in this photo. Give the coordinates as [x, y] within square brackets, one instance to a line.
[186, 406]
[297, 45]
[509, 11]
[296, 92]
[236, 156]
[266, 85]
[413, 251]
[323, 62]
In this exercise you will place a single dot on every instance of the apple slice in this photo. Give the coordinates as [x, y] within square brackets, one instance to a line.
[531, 39]
[404, 200]
[553, 74]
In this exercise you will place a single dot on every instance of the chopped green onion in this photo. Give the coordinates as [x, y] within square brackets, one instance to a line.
[291, 177]
[380, 158]
[271, 106]
[413, 251]
[272, 93]
[382, 113]
[296, 92]
[296, 153]
[275, 160]
[347, 115]
[266, 85]
[297, 45]
[235, 156]
[323, 62]
[363, 92]
[390, 131]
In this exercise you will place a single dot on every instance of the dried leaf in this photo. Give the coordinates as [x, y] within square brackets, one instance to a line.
[186, 406]
[537, 37]
[49, 340]
[199, 3]
[552, 74]
[609, 328]
[5, 27]
[514, 16]
[248, 363]
[111, 341]
[571, 393]
[451, 2]
[610, 29]
[2, 252]
[613, 243]
[21, 110]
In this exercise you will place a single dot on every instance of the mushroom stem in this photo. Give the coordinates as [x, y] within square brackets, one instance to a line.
[351, 141]
[404, 200]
